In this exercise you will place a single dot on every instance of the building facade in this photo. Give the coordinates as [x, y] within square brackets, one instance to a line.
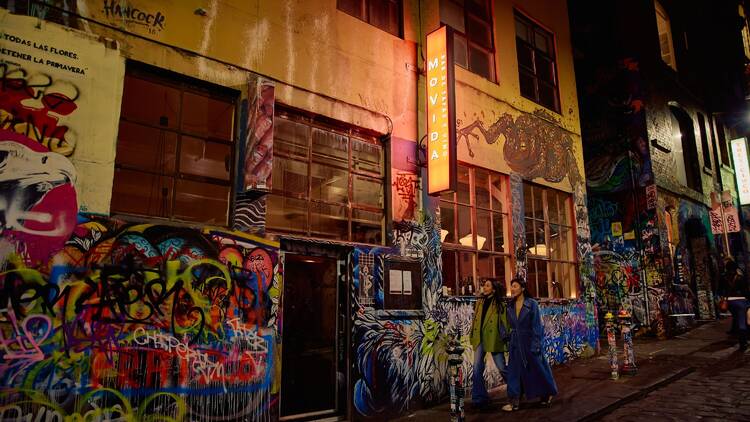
[216, 211]
[659, 108]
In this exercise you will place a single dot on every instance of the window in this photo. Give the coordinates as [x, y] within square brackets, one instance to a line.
[474, 227]
[473, 41]
[552, 268]
[684, 133]
[327, 181]
[723, 147]
[384, 14]
[704, 141]
[537, 69]
[665, 36]
[174, 149]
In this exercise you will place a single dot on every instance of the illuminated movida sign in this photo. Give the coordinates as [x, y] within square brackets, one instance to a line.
[741, 169]
[441, 113]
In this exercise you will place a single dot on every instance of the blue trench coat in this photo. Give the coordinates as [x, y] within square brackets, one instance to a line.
[528, 370]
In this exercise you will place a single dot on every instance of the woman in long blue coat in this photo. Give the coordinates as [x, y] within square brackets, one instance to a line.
[529, 372]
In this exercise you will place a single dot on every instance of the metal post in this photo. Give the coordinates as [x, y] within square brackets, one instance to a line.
[628, 360]
[456, 376]
[612, 342]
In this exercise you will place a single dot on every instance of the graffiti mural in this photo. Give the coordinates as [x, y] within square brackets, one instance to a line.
[533, 146]
[258, 144]
[141, 322]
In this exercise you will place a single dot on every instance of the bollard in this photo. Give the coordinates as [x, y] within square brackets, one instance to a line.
[628, 359]
[456, 377]
[612, 342]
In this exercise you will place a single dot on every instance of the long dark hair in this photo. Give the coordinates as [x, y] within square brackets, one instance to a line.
[498, 286]
[522, 283]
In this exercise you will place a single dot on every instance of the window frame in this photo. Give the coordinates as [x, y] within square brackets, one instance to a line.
[661, 12]
[569, 264]
[455, 247]
[364, 15]
[533, 29]
[184, 84]
[314, 122]
[488, 21]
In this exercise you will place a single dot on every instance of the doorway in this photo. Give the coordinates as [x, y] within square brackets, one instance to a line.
[313, 365]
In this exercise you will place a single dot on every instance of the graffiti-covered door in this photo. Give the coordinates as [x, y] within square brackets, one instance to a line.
[313, 368]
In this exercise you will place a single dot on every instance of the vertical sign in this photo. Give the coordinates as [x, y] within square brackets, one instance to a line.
[441, 112]
[741, 169]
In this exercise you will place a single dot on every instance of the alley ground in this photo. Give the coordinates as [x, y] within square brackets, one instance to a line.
[697, 376]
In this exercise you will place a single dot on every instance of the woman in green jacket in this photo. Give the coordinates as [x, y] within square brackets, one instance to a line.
[489, 334]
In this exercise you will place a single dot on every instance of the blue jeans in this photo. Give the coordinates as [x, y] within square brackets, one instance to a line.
[738, 308]
[478, 389]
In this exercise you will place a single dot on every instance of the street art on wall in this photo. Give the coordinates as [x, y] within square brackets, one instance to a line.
[140, 322]
[258, 144]
[533, 146]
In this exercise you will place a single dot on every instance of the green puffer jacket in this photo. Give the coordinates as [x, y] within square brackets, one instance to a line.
[495, 332]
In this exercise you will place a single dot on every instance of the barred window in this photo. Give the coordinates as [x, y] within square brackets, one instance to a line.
[537, 69]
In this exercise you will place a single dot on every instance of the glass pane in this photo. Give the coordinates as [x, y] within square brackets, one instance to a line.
[447, 223]
[385, 15]
[540, 248]
[484, 266]
[289, 176]
[522, 31]
[460, 51]
[452, 14]
[528, 204]
[290, 137]
[479, 32]
[151, 103]
[501, 264]
[497, 193]
[286, 214]
[198, 201]
[463, 193]
[450, 274]
[527, 83]
[367, 226]
[554, 241]
[202, 158]
[529, 228]
[329, 221]
[464, 226]
[330, 148]
[367, 156]
[541, 41]
[352, 7]
[480, 62]
[552, 209]
[556, 278]
[537, 193]
[484, 235]
[525, 55]
[564, 201]
[465, 268]
[548, 96]
[498, 227]
[481, 188]
[329, 184]
[566, 244]
[541, 279]
[135, 192]
[531, 278]
[146, 148]
[207, 116]
[545, 69]
[367, 191]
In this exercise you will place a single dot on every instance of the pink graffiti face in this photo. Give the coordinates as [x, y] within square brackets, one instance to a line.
[260, 263]
[38, 205]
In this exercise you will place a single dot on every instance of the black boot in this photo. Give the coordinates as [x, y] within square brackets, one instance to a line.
[742, 334]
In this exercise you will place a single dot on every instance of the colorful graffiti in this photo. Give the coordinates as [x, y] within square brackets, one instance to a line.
[534, 147]
[140, 322]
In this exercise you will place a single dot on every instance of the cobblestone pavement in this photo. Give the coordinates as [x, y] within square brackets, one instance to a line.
[718, 390]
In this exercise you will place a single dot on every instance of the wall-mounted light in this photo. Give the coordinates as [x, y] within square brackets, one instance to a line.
[467, 240]
[443, 234]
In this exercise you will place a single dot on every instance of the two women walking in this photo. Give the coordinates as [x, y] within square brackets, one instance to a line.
[515, 327]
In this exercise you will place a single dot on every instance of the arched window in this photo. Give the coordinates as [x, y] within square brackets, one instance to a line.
[683, 131]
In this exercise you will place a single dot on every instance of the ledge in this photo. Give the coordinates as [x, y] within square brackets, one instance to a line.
[708, 171]
[661, 147]
[398, 314]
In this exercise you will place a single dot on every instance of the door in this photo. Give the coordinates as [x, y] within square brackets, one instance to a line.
[313, 369]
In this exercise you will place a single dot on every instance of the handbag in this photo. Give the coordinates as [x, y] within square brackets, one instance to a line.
[723, 304]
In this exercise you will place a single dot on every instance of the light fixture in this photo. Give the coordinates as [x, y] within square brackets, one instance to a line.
[480, 241]
[443, 233]
[539, 249]
[467, 240]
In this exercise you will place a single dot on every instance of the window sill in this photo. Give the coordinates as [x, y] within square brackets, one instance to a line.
[550, 301]
[460, 298]
[399, 314]
[727, 168]
[708, 171]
